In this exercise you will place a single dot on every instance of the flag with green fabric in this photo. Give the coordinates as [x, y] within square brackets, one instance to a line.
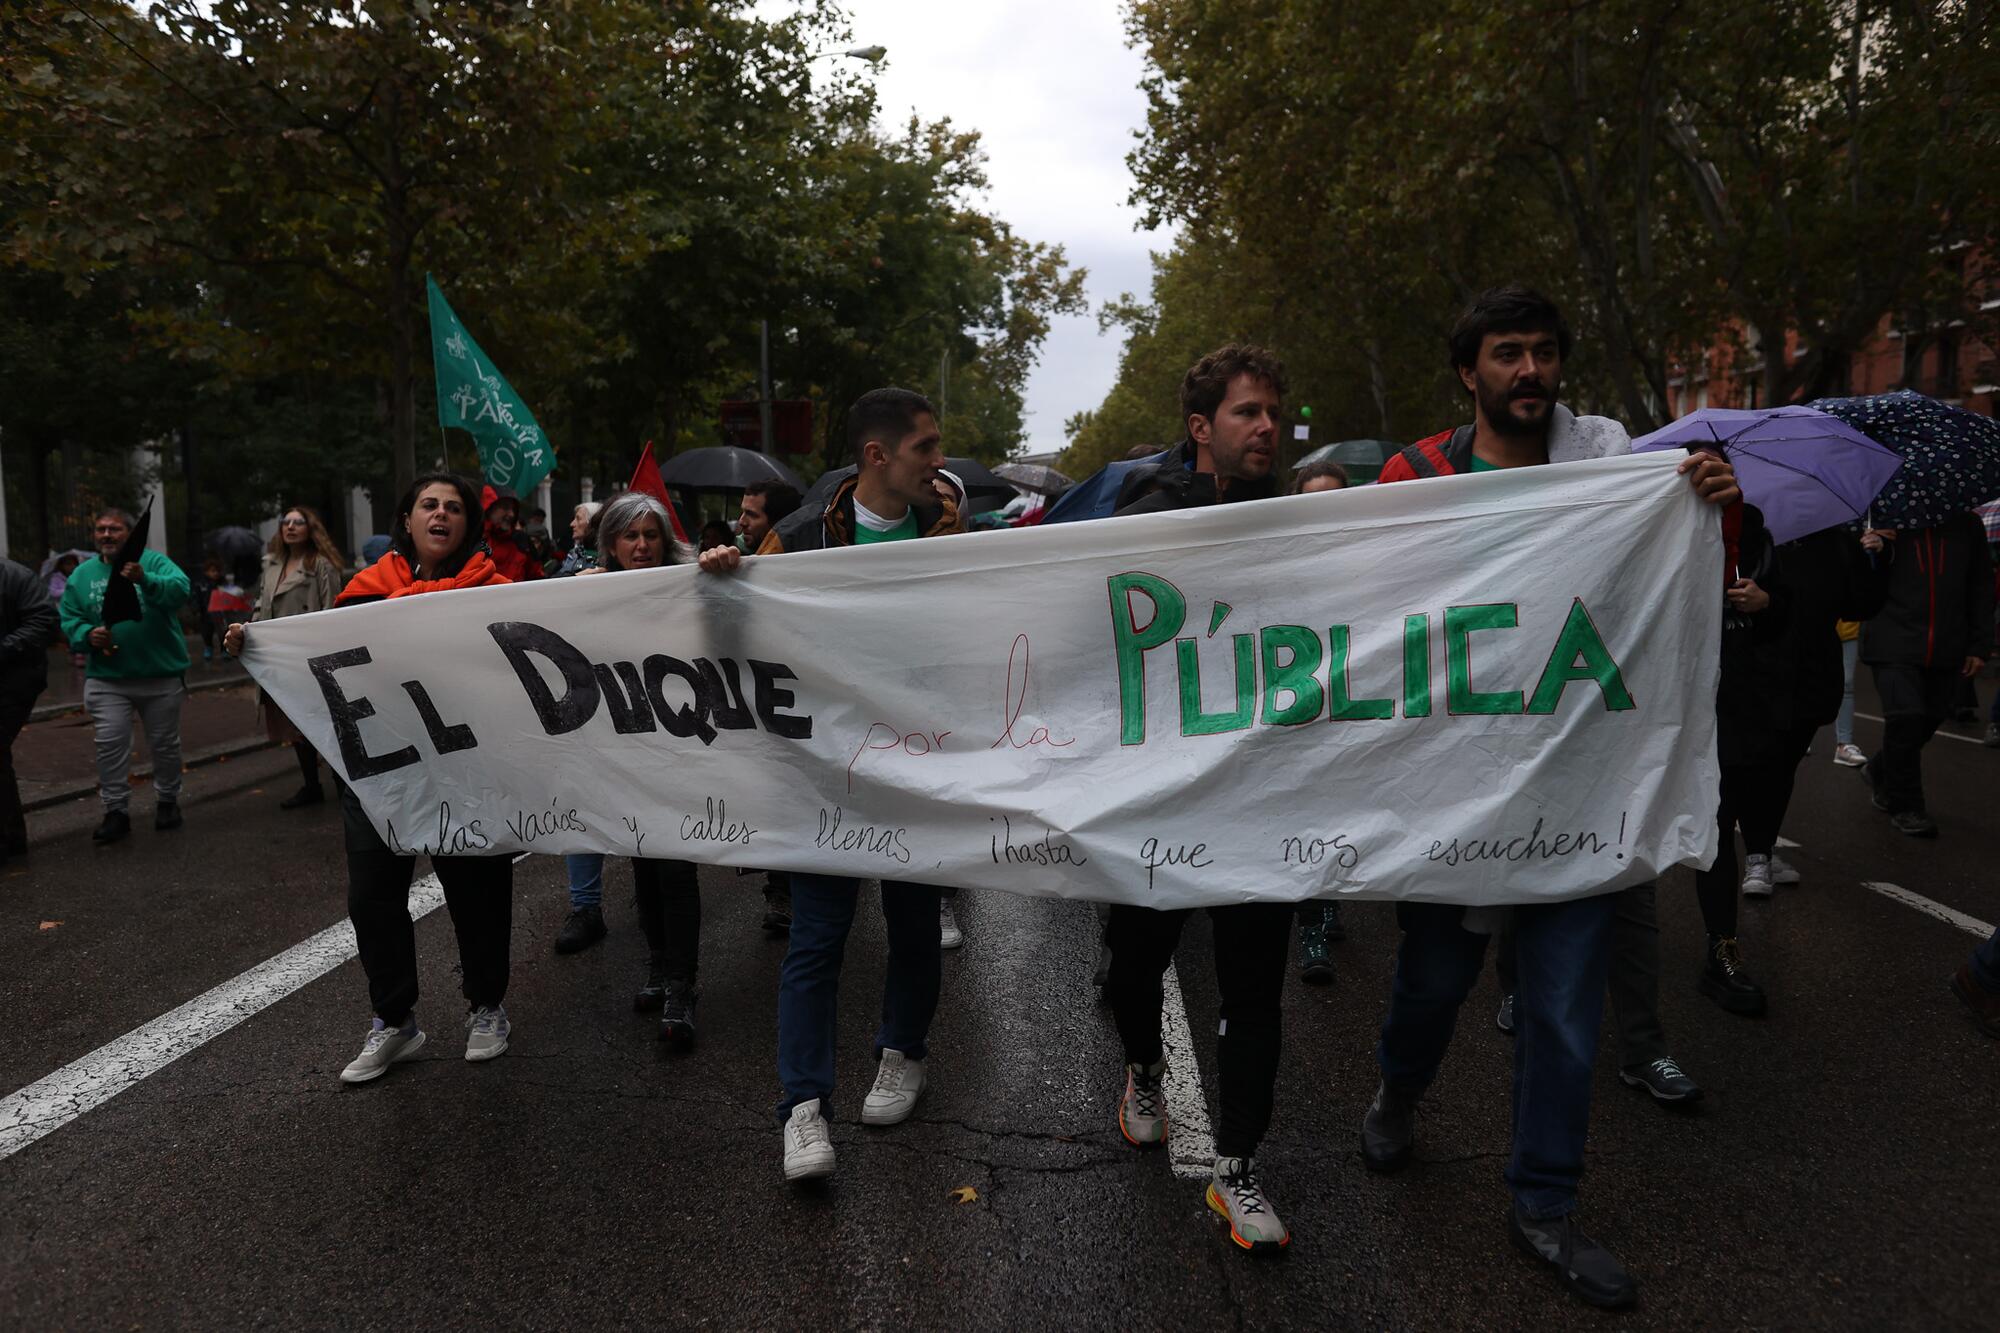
[474, 397]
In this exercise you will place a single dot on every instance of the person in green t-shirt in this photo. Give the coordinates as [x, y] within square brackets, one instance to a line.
[135, 671]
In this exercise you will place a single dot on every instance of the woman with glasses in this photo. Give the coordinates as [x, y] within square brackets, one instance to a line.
[302, 573]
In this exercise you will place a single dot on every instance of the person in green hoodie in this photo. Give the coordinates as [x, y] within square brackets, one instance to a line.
[135, 671]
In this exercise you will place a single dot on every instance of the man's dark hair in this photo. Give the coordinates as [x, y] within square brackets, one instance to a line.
[884, 414]
[781, 500]
[1208, 379]
[1139, 451]
[542, 514]
[1314, 471]
[1509, 309]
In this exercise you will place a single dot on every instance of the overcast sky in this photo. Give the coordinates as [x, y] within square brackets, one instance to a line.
[1053, 91]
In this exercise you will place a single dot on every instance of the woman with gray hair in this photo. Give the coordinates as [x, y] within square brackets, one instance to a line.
[634, 532]
[583, 539]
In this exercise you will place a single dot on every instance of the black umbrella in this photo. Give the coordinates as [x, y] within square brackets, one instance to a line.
[233, 544]
[121, 598]
[1034, 477]
[724, 467]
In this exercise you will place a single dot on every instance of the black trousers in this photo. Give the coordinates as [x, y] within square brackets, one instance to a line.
[669, 901]
[1754, 798]
[1915, 700]
[1252, 948]
[478, 892]
[17, 700]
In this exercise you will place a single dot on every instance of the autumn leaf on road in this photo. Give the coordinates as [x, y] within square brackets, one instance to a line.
[50, 925]
[964, 1194]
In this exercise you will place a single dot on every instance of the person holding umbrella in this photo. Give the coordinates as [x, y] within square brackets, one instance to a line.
[122, 606]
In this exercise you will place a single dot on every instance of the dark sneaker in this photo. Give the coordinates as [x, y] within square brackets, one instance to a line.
[1580, 1263]
[1724, 980]
[1982, 1006]
[1233, 1191]
[1335, 932]
[777, 919]
[677, 1015]
[1102, 976]
[1913, 823]
[117, 825]
[582, 928]
[1504, 1019]
[167, 816]
[1992, 741]
[652, 997]
[1663, 1081]
[1875, 796]
[1315, 958]
[1388, 1130]
[303, 797]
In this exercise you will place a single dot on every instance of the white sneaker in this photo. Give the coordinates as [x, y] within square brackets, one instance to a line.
[1756, 877]
[949, 935]
[899, 1081]
[1849, 756]
[808, 1144]
[384, 1047]
[1783, 871]
[1234, 1192]
[1142, 1111]
[488, 1035]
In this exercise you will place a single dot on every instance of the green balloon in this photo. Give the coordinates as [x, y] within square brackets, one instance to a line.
[1305, 414]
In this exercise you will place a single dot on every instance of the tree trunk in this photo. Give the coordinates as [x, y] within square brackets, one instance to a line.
[402, 320]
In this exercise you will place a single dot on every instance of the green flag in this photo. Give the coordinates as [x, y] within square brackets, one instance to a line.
[474, 397]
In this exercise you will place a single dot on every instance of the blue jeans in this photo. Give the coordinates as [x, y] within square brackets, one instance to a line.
[1562, 954]
[1986, 963]
[809, 982]
[586, 878]
[1843, 721]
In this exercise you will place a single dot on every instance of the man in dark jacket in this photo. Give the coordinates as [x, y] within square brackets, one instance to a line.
[1508, 349]
[1935, 630]
[27, 623]
[1230, 402]
[891, 497]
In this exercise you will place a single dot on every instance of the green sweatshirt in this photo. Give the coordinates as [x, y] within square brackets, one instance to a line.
[148, 648]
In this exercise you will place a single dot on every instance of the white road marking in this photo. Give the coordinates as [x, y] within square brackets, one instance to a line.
[1190, 1143]
[1971, 925]
[1948, 735]
[46, 1105]
[1787, 843]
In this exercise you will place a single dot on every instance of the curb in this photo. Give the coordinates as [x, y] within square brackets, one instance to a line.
[47, 711]
[202, 760]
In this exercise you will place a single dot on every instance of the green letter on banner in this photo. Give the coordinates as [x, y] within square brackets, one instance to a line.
[1195, 722]
[1343, 707]
[1294, 677]
[1169, 611]
[1580, 654]
[1417, 666]
[1459, 622]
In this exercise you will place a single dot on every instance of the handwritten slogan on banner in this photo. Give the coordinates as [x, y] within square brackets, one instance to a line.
[1478, 689]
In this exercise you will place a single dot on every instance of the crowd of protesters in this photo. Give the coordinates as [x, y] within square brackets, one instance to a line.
[1916, 606]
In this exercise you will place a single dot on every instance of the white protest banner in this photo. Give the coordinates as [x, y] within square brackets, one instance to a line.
[1476, 689]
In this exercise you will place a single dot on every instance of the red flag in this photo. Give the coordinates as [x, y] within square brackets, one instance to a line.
[646, 477]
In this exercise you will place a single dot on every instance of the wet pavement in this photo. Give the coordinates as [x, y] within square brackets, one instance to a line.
[1840, 1173]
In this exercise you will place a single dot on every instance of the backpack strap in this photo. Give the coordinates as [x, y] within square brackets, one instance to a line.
[1423, 459]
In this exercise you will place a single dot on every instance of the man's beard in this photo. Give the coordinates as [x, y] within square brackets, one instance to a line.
[1497, 408]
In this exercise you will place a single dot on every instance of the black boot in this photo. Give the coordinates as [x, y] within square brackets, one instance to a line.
[167, 815]
[1724, 980]
[677, 1015]
[117, 825]
[583, 928]
[1580, 1263]
[653, 995]
[1389, 1130]
[303, 797]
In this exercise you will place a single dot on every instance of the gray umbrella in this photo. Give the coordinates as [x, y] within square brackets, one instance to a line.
[1034, 477]
[724, 467]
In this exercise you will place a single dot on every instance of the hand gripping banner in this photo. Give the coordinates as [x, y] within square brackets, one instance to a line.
[1478, 689]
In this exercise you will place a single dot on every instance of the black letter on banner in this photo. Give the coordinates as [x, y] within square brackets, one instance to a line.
[347, 714]
[446, 739]
[518, 638]
[728, 715]
[627, 718]
[689, 719]
[770, 699]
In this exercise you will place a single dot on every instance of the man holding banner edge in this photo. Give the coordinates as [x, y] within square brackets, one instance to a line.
[1507, 350]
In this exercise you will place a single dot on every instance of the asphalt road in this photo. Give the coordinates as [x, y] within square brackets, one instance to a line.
[1839, 1175]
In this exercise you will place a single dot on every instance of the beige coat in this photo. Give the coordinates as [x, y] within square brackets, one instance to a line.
[308, 589]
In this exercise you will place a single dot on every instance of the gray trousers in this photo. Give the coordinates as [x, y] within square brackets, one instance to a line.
[113, 706]
[1635, 975]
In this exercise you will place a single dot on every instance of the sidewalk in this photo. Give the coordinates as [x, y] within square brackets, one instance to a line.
[56, 756]
[65, 691]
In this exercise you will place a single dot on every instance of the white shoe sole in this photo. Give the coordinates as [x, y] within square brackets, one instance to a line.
[896, 1115]
[951, 941]
[370, 1075]
[1757, 890]
[817, 1168]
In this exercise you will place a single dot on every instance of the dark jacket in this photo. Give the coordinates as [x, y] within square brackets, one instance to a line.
[1172, 483]
[27, 624]
[815, 529]
[1940, 606]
